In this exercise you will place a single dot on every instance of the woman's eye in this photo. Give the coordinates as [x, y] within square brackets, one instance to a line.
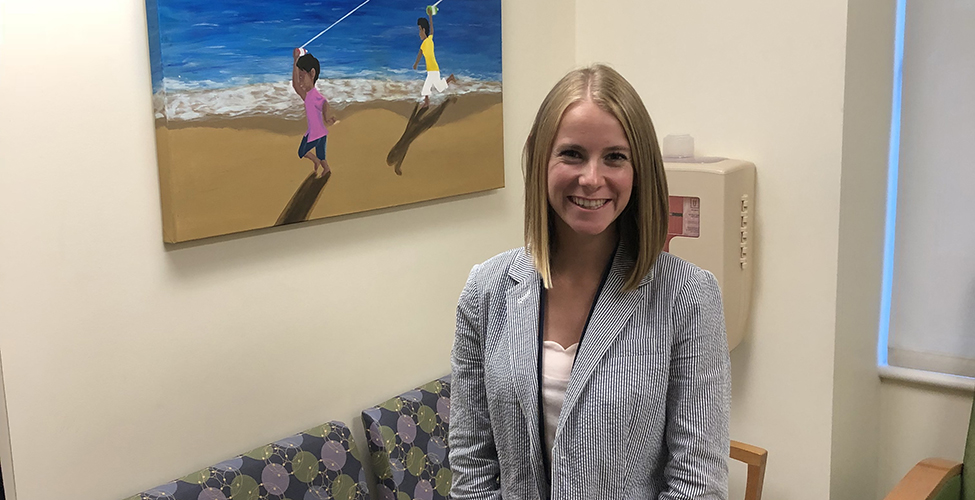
[570, 154]
[616, 157]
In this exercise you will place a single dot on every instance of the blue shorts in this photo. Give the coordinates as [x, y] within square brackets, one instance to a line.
[317, 144]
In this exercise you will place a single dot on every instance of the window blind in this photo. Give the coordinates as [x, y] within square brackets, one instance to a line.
[932, 302]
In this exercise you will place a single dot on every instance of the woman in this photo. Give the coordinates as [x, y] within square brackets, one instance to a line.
[590, 364]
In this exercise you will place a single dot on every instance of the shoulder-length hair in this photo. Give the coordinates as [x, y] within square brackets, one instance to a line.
[643, 223]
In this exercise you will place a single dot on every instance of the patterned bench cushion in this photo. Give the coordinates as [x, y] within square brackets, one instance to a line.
[317, 464]
[407, 438]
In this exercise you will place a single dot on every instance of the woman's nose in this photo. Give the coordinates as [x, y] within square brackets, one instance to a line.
[590, 175]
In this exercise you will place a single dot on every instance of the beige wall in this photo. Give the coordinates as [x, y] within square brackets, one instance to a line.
[880, 428]
[866, 136]
[760, 81]
[803, 89]
[919, 422]
[126, 362]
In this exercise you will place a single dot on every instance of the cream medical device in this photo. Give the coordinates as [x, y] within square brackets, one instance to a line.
[711, 206]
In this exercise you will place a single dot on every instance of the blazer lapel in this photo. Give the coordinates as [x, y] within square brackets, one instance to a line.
[523, 309]
[613, 310]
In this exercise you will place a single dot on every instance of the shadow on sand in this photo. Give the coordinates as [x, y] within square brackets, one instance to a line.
[420, 120]
[303, 200]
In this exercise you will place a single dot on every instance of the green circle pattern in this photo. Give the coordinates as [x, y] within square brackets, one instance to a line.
[305, 466]
[198, 477]
[442, 481]
[416, 461]
[244, 488]
[412, 454]
[344, 488]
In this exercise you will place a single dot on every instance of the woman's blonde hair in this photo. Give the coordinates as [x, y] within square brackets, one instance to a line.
[643, 223]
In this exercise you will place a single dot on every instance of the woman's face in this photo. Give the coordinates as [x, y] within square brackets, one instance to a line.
[590, 173]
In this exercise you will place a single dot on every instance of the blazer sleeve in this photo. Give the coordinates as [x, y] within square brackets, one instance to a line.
[698, 395]
[473, 456]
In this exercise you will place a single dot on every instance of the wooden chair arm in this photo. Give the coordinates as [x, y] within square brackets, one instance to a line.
[925, 479]
[751, 455]
[755, 458]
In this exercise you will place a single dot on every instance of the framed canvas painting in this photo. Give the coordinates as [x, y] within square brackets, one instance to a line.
[271, 113]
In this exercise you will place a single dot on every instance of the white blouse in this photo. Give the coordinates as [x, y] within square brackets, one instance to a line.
[556, 367]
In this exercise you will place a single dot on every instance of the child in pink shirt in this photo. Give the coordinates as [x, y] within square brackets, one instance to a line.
[304, 74]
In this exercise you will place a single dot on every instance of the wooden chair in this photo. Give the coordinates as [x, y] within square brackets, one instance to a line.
[755, 458]
[941, 479]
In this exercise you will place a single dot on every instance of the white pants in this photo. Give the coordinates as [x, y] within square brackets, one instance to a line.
[433, 81]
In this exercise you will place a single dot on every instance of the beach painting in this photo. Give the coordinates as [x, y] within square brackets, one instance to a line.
[272, 113]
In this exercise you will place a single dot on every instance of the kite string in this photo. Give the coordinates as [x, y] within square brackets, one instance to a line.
[345, 16]
[336, 22]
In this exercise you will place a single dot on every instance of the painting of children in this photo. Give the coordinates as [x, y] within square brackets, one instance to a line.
[231, 107]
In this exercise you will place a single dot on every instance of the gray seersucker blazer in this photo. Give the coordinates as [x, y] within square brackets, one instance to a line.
[647, 406]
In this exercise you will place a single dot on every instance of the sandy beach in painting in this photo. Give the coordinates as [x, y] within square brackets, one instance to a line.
[229, 120]
[225, 175]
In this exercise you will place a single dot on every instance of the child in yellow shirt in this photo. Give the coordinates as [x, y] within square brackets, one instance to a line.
[433, 80]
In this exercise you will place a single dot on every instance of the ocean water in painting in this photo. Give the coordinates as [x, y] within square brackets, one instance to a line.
[233, 58]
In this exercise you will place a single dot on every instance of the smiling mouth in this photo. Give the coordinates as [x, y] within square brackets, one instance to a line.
[588, 204]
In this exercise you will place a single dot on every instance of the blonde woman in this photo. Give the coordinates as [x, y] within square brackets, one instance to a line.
[590, 364]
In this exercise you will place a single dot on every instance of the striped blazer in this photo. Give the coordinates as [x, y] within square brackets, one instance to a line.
[647, 405]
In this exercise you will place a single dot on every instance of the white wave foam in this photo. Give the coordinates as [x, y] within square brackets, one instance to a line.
[183, 102]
